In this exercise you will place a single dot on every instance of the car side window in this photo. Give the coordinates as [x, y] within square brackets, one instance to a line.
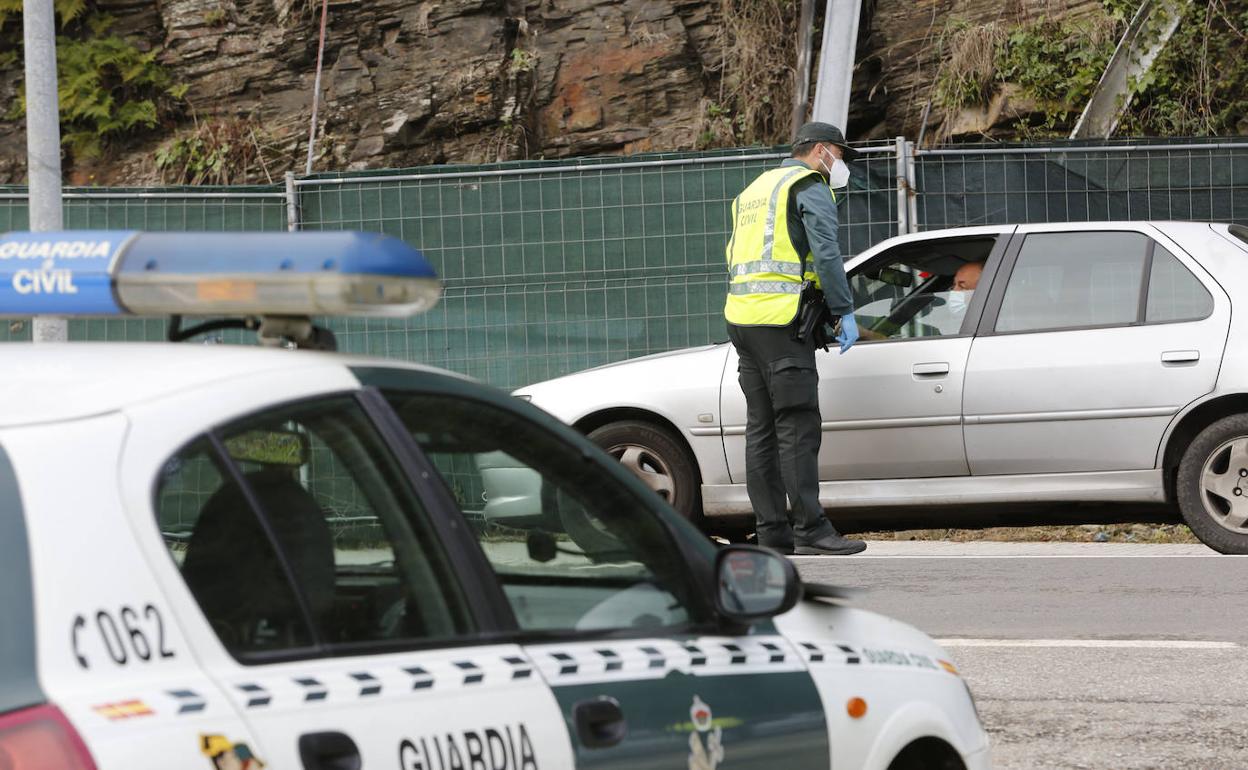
[1074, 280]
[572, 548]
[919, 290]
[322, 545]
[1174, 294]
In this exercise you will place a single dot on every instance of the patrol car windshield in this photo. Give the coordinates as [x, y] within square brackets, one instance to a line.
[572, 548]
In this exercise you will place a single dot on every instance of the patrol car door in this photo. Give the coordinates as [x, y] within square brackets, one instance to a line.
[96, 637]
[321, 590]
[611, 597]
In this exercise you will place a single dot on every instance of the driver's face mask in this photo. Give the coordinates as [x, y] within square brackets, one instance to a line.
[959, 299]
[838, 172]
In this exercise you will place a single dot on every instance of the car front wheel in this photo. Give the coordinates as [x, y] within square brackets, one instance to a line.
[1212, 485]
[656, 457]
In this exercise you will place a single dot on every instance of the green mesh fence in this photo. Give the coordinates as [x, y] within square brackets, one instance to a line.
[552, 268]
[555, 266]
[1071, 182]
[164, 209]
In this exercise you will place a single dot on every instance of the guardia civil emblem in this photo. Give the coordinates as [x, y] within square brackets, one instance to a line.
[706, 747]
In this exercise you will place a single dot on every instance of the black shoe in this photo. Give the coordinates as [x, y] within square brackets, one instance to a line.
[783, 550]
[832, 545]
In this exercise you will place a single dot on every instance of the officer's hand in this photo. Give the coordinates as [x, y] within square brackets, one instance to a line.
[849, 332]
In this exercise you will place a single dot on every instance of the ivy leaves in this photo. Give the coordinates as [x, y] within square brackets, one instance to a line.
[1197, 86]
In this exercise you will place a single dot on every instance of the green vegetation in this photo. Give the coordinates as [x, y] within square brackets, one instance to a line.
[217, 151]
[108, 85]
[1059, 64]
[1198, 86]
[521, 61]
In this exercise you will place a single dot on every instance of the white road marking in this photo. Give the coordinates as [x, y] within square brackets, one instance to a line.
[1150, 644]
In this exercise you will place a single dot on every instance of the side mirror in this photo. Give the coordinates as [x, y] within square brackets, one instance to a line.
[753, 583]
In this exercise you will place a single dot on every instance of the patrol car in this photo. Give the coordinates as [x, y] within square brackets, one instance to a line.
[246, 556]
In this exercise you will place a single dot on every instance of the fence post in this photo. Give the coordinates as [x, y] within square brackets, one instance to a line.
[912, 188]
[292, 203]
[903, 208]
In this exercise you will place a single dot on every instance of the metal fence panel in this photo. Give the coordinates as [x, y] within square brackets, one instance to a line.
[1077, 183]
[552, 269]
[167, 209]
[555, 266]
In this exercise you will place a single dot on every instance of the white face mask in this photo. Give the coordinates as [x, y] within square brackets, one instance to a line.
[958, 300]
[838, 172]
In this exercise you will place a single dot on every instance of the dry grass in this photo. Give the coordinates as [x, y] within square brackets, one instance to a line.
[969, 71]
[757, 76]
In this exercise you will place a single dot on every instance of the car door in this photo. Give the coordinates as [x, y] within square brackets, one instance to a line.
[322, 588]
[1100, 335]
[891, 406]
[608, 593]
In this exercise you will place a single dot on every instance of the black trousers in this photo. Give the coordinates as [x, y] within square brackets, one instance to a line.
[782, 434]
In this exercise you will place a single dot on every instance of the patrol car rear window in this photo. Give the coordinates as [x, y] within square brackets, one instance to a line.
[296, 530]
[572, 548]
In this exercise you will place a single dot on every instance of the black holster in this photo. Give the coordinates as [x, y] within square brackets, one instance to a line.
[813, 318]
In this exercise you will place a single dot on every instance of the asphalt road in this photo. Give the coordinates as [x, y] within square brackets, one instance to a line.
[1103, 657]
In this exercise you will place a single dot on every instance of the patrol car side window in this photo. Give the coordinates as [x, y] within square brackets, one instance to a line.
[323, 545]
[572, 548]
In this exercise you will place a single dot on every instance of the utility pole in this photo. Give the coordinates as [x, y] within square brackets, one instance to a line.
[836, 62]
[43, 138]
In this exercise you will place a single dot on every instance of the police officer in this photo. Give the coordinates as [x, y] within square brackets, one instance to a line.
[785, 231]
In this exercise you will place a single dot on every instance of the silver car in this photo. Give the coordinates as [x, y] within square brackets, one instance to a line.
[1094, 363]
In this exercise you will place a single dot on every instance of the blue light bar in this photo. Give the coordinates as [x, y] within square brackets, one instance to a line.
[124, 272]
[60, 273]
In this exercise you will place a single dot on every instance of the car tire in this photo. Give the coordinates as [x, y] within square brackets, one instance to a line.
[656, 457]
[1212, 485]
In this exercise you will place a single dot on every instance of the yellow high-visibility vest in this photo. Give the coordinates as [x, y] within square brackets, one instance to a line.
[764, 267]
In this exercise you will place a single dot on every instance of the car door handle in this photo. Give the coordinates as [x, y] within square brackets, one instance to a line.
[1180, 356]
[931, 369]
[599, 722]
[328, 751]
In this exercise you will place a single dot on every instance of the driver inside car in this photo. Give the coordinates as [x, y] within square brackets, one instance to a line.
[958, 298]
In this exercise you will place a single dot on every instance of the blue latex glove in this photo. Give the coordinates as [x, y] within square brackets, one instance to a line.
[849, 332]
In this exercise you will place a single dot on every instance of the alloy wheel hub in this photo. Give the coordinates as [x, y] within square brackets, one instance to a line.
[647, 466]
[1224, 485]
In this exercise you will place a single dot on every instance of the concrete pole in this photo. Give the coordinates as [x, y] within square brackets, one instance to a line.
[836, 62]
[43, 138]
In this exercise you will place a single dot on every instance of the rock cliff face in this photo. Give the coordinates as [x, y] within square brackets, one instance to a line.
[901, 58]
[413, 82]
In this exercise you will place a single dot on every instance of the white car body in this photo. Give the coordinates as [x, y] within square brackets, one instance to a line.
[1095, 413]
[100, 624]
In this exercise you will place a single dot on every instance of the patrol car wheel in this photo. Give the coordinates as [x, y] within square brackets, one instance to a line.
[656, 457]
[1212, 485]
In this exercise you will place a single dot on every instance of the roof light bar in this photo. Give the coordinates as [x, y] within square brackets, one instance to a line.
[125, 272]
